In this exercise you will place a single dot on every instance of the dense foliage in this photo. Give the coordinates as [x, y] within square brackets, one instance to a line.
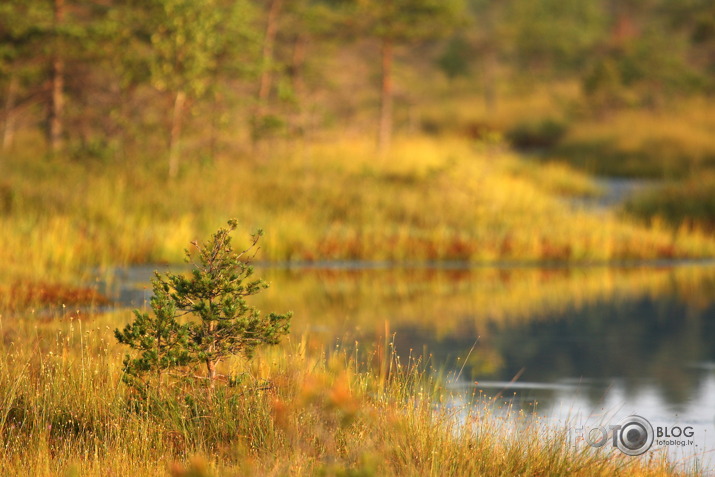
[213, 298]
[111, 78]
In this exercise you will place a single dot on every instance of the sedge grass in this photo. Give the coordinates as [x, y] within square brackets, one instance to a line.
[674, 142]
[689, 203]
[296, 410]
[428, 200]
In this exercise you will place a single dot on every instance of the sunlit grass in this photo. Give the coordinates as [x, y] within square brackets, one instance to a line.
[675, 141]
[428, 200]
[296, 410]
[671, 140]
[689, 203]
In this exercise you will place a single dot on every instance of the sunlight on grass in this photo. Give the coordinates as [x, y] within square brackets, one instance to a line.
[674, 142]
[294, 410]
[427, 200]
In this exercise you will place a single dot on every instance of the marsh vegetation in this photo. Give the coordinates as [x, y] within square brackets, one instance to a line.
[423, 173]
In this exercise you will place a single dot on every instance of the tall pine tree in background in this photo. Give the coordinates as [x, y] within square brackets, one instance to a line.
[400, 23]
[184, 49]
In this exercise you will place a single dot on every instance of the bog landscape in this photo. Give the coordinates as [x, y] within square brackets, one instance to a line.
[357, 237]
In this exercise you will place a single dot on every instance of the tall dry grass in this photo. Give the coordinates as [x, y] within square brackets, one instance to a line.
[428, 200]
[295, 410]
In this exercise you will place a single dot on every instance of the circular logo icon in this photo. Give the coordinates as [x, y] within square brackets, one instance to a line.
[635, 436]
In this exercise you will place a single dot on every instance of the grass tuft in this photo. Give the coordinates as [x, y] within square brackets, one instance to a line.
[291, 411]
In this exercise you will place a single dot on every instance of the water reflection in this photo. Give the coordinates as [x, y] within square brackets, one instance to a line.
[579, 341]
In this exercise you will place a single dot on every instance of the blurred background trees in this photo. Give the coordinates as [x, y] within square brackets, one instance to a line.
[111, 78]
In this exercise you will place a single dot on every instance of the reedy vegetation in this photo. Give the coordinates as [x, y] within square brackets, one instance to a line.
[291, 411]
[102, 201]
[297, 411]
[428, 200]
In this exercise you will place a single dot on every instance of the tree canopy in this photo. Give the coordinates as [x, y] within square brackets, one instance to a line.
[161, 75]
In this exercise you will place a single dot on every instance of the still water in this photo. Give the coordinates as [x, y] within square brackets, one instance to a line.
[580, 346]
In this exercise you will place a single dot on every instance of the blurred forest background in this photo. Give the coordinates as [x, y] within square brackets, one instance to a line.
[114, 113]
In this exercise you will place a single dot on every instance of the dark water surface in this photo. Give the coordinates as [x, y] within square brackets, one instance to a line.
[581, 346]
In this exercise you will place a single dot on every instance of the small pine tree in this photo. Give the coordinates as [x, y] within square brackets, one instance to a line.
[213, 298]
[163, 342]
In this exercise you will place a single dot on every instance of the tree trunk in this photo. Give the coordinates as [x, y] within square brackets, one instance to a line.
[384, 136]
[215, 124]
[211, 369]
[176, 122]
[210, 328]
[623, 24]
[8, 133]
[264, 86]
[57, 100]
[296, 76]
[158, 368]
[490, 89]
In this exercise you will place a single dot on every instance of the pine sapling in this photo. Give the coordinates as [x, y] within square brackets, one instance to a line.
[211, 301]
[163, 343]
[215, 293]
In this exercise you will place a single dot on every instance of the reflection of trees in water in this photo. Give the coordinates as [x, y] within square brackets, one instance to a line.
[646, 341]
[638, 323]
[443, 299]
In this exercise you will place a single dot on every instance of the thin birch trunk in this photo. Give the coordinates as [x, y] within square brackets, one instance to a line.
[10, 115]
[174, 142]
[266, 79]
[384, 137]
[57, 100]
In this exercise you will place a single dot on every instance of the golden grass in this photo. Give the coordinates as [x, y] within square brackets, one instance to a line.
[459, 106]
[674, 141]
[688, 203]
[687, 127]
[428, 200]
[296, 411]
